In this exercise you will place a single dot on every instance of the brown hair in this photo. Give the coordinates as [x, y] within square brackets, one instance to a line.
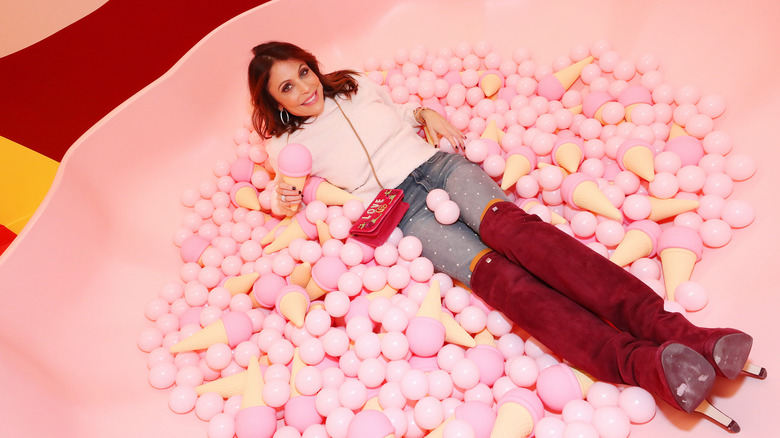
[265, 115]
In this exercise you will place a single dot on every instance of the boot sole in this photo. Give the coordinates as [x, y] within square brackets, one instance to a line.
[689, 376]
[730, 353]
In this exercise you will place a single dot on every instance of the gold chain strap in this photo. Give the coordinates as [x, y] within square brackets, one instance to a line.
[370, 163]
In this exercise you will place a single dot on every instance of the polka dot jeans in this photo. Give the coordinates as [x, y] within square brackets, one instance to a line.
[451, 248]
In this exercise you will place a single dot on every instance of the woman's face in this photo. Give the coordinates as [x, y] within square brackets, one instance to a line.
[296, 88]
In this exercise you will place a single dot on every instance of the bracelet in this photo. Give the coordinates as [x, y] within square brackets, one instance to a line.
[417, 112]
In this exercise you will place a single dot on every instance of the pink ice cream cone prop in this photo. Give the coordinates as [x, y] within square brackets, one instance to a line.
[454, 333]
[323, 231]
[560, 384]
[568, 153]
[245, 195]
[359, 305]
[594, 102]
[553, 86]
[240, 284]
[491, 81]
[519, 162]
[318, 189]
[479, 415]
[226, 387]
[689, 149]
[193, 247]
[269, 237]
[300, 412]
[267, 288]
[640, 240]
[633, 96]
[299, 227]
[661, 209]
[637, 156]
[295, 164]
[425, 331]
[369, 423]
[527, 204]
[292, 303]
[325, 276]
[581, 191]
[518, 412]
[491, 132]
[679, 249]
[232, 329]
[254, 419]
[675, 131]
[488, 358]
[301, 274]
[243, 168]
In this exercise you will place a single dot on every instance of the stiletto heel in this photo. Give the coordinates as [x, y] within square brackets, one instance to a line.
[713, 413]
[755, 371]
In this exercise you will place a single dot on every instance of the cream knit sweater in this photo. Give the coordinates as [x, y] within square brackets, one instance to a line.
[387, 129]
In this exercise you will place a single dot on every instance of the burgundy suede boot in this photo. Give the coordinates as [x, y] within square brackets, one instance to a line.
[604, 288]
[674, 372]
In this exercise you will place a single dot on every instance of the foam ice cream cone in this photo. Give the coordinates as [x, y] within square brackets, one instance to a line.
[245, 195]
[490, 82]
[323, 231]
[387, 292]
[491, 132]
[661, 209]
[639, 241]
[296, 367]
[568, 153]
[294, 164]
[226, 387]
[633, 96]
[266, 289]
[231, 329]
[638, 157]
[555, 218]
[193, 247]
[241, 284]
[299, 227]
[518, 412]
[301, 274]
[489, 360]
[369, 423]
[318, 189]
[593, 103]
[519, 162]
[554, 85]
[576, 109]
[292, 303]
[254, 419]
[679, 248]
[584, 380]
[431, 304]
[269, 237]
[243, 168]
[454, 333]
[325, 276]
[581, 191]
[676, 131]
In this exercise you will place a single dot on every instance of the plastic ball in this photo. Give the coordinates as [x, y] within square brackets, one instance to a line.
[737, 213]
[577, 410]
[549, 427]
[435, 198]
[603, 394]
[182, 399]
[715, 233]
[638, 404]
[580, 429]
[740, 166]
[691, 295]
[447, 212]
[611, 422]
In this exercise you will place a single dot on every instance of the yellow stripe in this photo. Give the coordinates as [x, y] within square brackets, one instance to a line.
[25, 178]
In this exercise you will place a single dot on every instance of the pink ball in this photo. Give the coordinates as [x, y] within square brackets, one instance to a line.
[610, 233]
[638, 404]
[717, 142]
[737, 214]
[182, 399]
[523, 370]
[428, 413]
[603, 394]
[715, 233]
[740, 166]
[465, 374]
[447, 212]
[611, 422]
[699, 125]
[577, 410]
[637, 207]
[584, 224]
[718, 184]
[664, 185]
[435, 198]
[691, 295]
[691, 178]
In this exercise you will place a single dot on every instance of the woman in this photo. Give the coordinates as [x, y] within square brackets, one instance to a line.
[576, 302]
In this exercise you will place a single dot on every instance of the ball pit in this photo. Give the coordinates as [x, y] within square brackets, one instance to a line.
[133, 255]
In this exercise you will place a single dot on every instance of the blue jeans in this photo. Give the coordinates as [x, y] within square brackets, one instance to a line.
[450, 248]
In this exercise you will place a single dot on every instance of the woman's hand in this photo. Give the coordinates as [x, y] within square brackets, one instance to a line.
[288, 198]
[439, 127]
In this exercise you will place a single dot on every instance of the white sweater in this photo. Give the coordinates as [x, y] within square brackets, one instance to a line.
[386, 128]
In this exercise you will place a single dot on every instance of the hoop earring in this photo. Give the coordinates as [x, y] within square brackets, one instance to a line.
[284, 116]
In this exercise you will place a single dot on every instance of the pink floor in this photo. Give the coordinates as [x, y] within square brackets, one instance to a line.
[76, 281]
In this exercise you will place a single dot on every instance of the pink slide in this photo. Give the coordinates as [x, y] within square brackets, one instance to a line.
[77, 280]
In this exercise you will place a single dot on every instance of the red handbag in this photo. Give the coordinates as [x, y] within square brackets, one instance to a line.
[380, 218]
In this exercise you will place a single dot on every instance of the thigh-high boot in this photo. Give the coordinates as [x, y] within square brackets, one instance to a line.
[604, 288]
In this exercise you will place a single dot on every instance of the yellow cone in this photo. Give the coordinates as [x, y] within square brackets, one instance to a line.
[588, 196]
[297, 366]
[555, 218]
[568, 76]
[639, 160]
[439, 431]
[253, 391]
[241, 284]
[454, 333]
[485, 338]
[490, 84]
[577, 109]
[568, 156]
[584, 380]
[387, 292]
[269, 237]
[323, 231]
[212, 334]
[301, 274]
[665, 208]
[247, 197]
[431, 304]
[513, 420]
[314, 290]
[226, 387]
[492, 132]
[676, 131]
[332, 195]
[677, 265]
[293, 306]
[635, 245]
[292, 232]
[517, 166]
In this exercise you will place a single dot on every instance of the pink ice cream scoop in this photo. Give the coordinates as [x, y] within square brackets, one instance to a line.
[560, 384]
[295, 160]
[300, 413]
[679, 248]
[554, 85]
[242, 169]
[593, 102]
[267, 288]
[370, 423]
[581, 190]
[518, 412]
[688, 148]
[192, 248]
[632, 96]
[637, 156]
[325, 276]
